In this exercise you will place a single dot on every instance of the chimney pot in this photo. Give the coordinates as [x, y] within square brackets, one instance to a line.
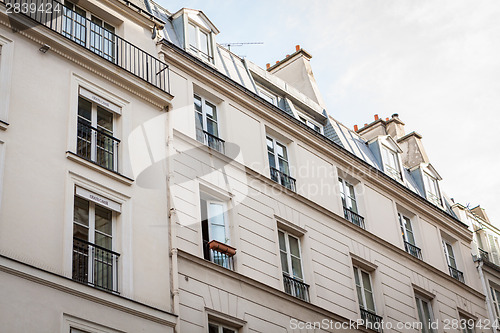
[355, 128]
[268, 65]
[366, 124]
[376, 117]
[395, 115]
[277, 61]
[287, 55]
[297, 47]
[387, 119]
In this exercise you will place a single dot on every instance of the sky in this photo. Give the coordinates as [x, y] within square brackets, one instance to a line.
[434, 62]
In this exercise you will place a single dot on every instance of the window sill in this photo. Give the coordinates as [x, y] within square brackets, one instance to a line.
[3, 125]
[112, 174]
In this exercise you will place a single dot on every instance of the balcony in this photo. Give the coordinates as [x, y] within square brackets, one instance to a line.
[393, 173]
[296, 288]
[371, 320]
[283, 179]
[220, 254]
[354, 218]
[95, 266]
[97, 146]
[96, 39]
[456, 274]
[413, 250]
[210, 140]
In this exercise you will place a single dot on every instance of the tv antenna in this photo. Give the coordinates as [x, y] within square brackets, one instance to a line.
[228, 45]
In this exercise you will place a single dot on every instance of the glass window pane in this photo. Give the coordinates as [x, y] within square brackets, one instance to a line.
[294, 246]
[203, 42]
[366, 281]
[105, 120]
[103, 220]
[211, 111]
[284, 262]
[81, 211]
[297, 268]
[281, 237]
[80, 232]
[283, 166]
[272, 161]
[212, 128]
[197, 103]
[227, 330]
[103, 240]
[281, 150]
[270, 144]
[192, 36]
[84, 108]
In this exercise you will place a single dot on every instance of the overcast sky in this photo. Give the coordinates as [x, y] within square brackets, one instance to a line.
[435, 63]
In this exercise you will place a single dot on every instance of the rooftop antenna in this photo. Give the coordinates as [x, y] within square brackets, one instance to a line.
[239, 44]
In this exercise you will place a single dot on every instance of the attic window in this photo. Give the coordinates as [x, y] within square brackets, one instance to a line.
[432, 189]
[391, 163]
[311, 123]
[200, 43]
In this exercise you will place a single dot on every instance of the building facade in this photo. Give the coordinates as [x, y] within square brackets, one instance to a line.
[153, 181]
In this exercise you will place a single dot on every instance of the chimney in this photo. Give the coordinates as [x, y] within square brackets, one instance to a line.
[395, 127]
[297, 48]
[355, 128]
[376, 117]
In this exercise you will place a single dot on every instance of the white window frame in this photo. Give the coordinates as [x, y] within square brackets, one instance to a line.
[448, 254]
[344, 189]
[93, 139]
[276, 157]
[221, 327]
[403, 221]
[227, 238]
[268, 96]
[467, 324]
[289, 255]
[195, 49]
[358, 270]
[419, 300]
[310, 123]
[204, 106]
[6, 67]
[431, 185]
[389, 155]
[495, 297]
[91, 236]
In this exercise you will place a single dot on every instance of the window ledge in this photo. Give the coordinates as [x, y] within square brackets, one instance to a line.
[3, 125]
[112, 174]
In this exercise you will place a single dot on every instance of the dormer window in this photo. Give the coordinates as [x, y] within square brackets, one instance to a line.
[432, 189]
[311, 124]
[200, 43]
[391, 163]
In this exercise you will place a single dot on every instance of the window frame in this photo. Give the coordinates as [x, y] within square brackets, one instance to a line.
[447, 244]
[204, 104]
[196, 49]
[419, 300]
[358, 272]
[495, 296]
[310, 123]
[286, 235]
[221, 327]
[344, 186]
[388, 155]
[404, 230]
[431, 183]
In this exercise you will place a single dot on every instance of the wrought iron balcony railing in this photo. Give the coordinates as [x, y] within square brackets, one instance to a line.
[210, 140]
[413, 250]
[456, 274]
[97, 146]
[354, 218]
[95, 38]
[220, 254]
[296, 287]
[371, 320]
[95, 265]
[283, 179]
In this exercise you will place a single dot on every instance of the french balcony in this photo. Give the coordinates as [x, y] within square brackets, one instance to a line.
[371, 320]
[210, 140]
[456, 274]
[95, 266]
[354, 218]
[283, 179]
[220, 254]
[413, 250]
[97, 146]
[296, 288]
[96, 39]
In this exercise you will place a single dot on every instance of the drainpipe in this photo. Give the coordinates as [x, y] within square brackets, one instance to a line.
[172, 219]
[486, 292]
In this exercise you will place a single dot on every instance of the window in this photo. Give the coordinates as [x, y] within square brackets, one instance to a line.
[94, 262]
[366, 300]
[218, 328]
[312, 124]
[200, 43]
[495, 298]
[87, 29]
[409, 236]
[207, 124]
[425, 316]
[452, 263]
[291, 265]
[467, 324]
[277, 154]
[391, 163]
[270, 97]
[215, 232]
[432, 189]
[349, 203]
[95, 141]
[493, 241]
